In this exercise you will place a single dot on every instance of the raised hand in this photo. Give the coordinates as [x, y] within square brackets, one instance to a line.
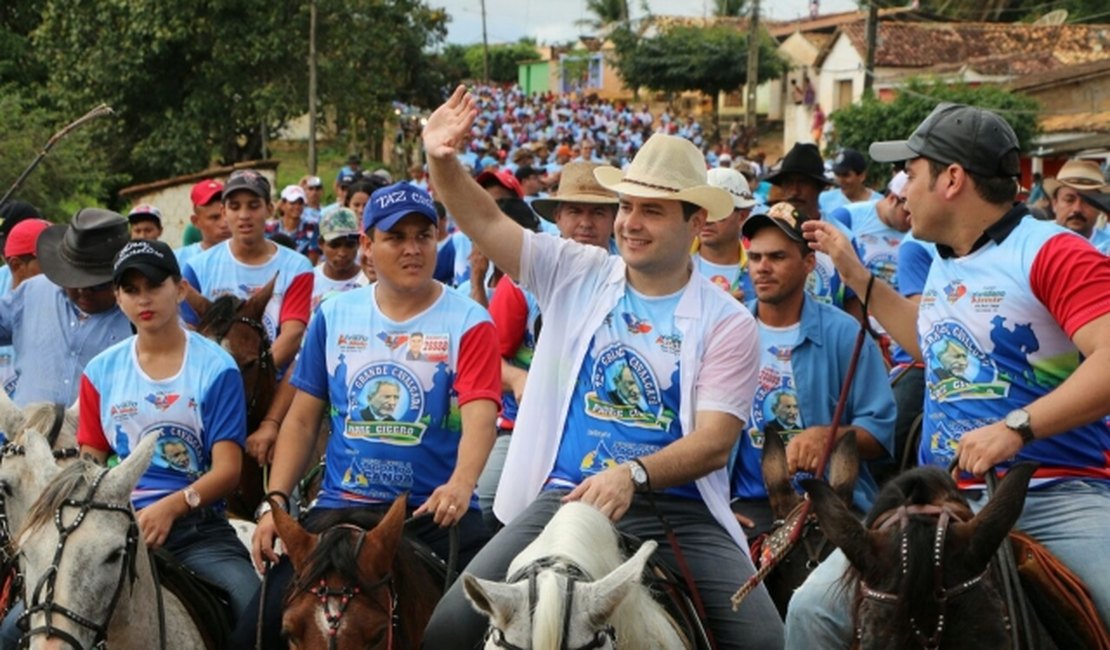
[450, 124]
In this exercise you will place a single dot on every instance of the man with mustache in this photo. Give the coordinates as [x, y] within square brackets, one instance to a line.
[1076, 179]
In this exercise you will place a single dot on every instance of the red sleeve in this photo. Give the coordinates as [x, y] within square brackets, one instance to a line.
[509, 311]
[478, 375]
[1072, 279]
[90, 431]
[298, 299]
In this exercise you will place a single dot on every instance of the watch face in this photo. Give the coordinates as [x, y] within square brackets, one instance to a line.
[192, 497]
[639, 476]
[1017, 419]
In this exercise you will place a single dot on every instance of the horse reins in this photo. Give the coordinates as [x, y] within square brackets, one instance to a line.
[42, 596]
[941, 594]
[573, 574]
[830, 441]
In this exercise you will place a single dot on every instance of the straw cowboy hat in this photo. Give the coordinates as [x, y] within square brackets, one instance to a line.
[668, 167]
[1083, 175]
[576, 185]
[735, 184]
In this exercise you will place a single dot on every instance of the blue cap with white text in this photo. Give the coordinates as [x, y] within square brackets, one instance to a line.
[390, 204]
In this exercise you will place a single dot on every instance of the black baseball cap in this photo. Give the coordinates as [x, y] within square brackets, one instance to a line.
[154, 259]
[849, 160]
[783, 215]
[975, 138]
[249, 180]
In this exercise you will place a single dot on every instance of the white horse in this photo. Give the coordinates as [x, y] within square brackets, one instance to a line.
[86, 568]
[609, 607]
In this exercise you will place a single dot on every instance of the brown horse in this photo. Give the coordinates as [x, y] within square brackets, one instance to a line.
[365, 582]
[236, 324]
[919, 563]
[795, 563]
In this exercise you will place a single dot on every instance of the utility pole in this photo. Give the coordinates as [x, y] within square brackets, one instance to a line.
[312, 87]
[485, 47]
[872, 44]
[753, 67]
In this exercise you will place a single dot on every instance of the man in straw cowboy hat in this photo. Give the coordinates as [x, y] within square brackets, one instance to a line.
[61, 319]
[692, 351]
[1078, 180]
[583, 211]
[1014, 324]
[718, 253]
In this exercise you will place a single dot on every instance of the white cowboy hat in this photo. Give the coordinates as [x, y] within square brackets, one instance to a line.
[735, 184]
[576, 185]
[1078, 174]
[668, 167]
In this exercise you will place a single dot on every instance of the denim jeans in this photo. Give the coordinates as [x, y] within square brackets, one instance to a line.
[491, 475]
[1070, 518]
[719, 568]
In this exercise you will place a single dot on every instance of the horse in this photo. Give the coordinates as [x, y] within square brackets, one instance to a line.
[795, 562]
[919, 564]
[359, 584]
[90, 579]
[572, 588]
[236, 324]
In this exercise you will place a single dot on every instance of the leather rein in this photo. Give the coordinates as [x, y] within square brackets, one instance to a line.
[900, 516]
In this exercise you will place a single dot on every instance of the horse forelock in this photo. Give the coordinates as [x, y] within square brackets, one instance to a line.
[220, 315]
[580, 534]
[64, 486]
[547, 621]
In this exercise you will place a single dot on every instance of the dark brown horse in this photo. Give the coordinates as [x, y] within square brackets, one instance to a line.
[361, 577]
[919, 563]
[795, 562]
[236, 324]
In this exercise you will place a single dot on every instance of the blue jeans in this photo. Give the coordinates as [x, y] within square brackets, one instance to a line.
[1071, 518]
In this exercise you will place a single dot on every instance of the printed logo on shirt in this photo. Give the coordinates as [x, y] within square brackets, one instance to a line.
[10, 385]
[352, 342]
[885, 267]
[928, 298]
[625, 390]
[612, 453]
[671, 344]
[635, 324]
[987, 301]
[386, 405]
[427, 347]
[361, 473]
[162, 400]
[392, 341]
[123, 411]
[721, 281]
[958, 368]
[178, 448]
[955, 290]
[192, 404]
[819, 284]
[775, 403]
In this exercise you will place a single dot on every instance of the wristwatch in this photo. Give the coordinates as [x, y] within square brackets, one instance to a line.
[1018, 420]
[639, 473]
[192, 498]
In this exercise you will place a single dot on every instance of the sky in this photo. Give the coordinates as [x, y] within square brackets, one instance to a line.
[550, 21]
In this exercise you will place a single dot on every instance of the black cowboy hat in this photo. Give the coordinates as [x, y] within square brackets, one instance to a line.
[804, 159]
[80, 254]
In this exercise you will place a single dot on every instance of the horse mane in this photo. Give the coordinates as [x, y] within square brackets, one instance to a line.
[40, 416]
[68, 481]
[547, 621]
[220, 315]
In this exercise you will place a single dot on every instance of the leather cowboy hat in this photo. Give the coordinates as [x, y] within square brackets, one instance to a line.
[576, 185]
[80, 254]
[804, 159]
[1078, 174]
[668, 167]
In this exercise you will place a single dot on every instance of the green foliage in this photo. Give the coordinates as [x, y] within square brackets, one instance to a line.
[604, 12]
[708, 59]
[504, 60]
[871, 120]
[1079, 11]
[730, 7]
[71, 176]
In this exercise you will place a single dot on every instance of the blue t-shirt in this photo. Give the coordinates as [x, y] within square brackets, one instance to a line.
[189, 412]
[626, 400]
[394, 390]
[833, 198]
[8, 375]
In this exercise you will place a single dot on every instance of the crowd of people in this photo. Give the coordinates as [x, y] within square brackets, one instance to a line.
[522, 324]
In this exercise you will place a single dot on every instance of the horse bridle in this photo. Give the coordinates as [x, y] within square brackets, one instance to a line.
[326, 595]
[778, 540]
[42, 597]
[265, 355]
[941, 594]
[574, 574]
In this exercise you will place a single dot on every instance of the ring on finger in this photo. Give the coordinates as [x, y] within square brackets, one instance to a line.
[451, 508]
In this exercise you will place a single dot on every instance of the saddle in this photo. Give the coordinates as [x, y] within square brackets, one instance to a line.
[669, 590]
[1059, 597]
[206, 601]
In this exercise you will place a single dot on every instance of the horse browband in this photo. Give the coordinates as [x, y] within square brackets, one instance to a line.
[574, 574]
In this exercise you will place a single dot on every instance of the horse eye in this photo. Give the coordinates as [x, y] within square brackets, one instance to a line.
[114, 556]
[6, 487]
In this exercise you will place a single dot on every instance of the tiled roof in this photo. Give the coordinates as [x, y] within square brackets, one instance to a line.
[1060, 75]
[1097, 122]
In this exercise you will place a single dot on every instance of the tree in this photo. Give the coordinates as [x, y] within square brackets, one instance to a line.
[604, 13]
[711, 60]
[729, 8]
[1009, 10]
[504, 60]
[871, 120]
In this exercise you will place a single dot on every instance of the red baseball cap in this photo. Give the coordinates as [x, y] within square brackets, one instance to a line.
[504, 178]
[23, 237]
[206, 192]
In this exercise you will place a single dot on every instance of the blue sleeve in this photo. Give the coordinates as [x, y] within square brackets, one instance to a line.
[187, 313]
[225, 410]
[872, 402]
[914, 261]
[841, 216]
[10, 304]
[311, 371]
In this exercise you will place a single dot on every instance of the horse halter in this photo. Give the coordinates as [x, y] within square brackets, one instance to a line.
[574, 574]
[326, 595]
[42, 597]
[265, 355]
[777, 546]
[941, 594]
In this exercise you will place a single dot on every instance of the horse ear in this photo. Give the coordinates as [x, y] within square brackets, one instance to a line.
[776, 477]
[844, 466]
[37, 450]
[385, 538]
[988, 529]
[496, 600]
[199, 303]
[838, 522]
[11, 416]
[298, 542]
[123, 477]
[606, 594]
[255, 306]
